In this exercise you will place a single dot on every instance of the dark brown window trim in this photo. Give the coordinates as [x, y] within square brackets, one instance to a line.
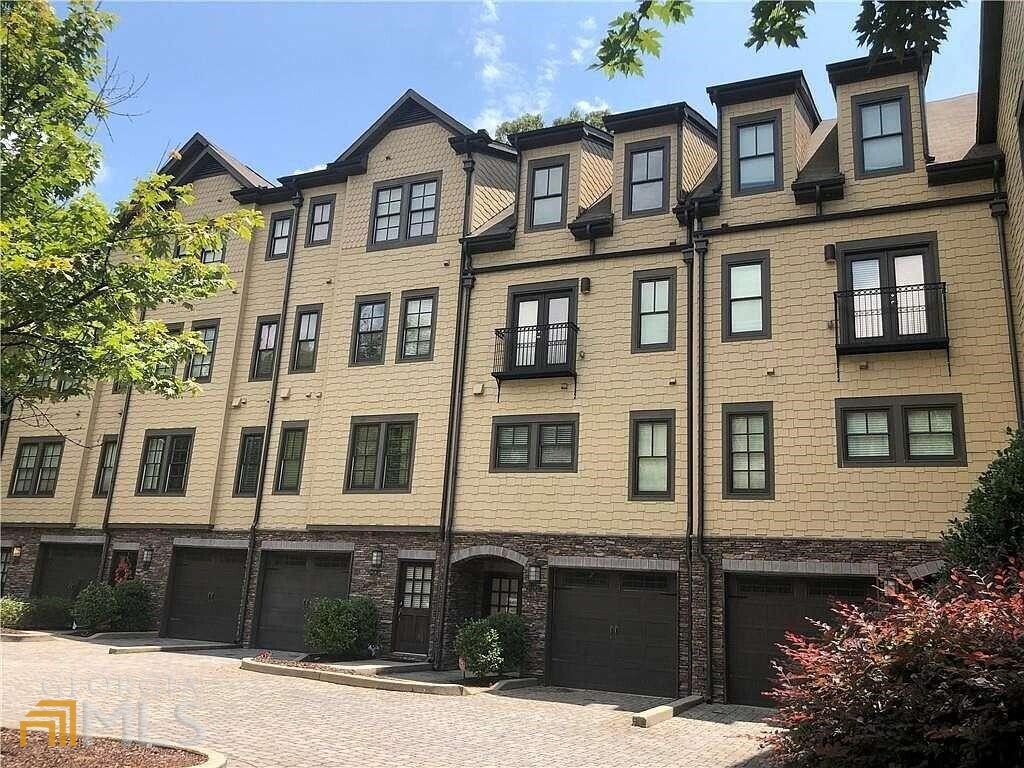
[897, 407]
[299, 312]
[845, 251]
[645, 275]
[169, 433]
[109, 439]
[737, 260]
[765, 409]
[39, 458]
[198, 326]
[313, 203]
[635, 418]
[537, 165]
[866, 99]
[290, 426]
[774, 116]
[400, 356]
[260, 322]
[403, 226]
[381, 422]
[665, 145]
[534, 422]
[551, 286]
[246, 432]
[274, 218]
[370, 298]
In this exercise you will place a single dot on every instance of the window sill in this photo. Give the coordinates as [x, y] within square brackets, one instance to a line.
[406, 243]
[378, 490]
[178, 494]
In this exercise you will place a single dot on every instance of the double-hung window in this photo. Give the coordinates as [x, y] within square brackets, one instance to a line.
[535, 443]
[250, 453]
[654, 310]
[170, 370]
[212, 255]
[280, 235]
[264, 348]
[748, 452]
[419, 316]
[105, 469]
[36, 466]
[200, 366]
[652, 455]
[290, 453]
[757, 153]
[306, 339]
[165, 461]
[906, 430]
[321, 215]
[380, 454]
[405, 211]
[369, 329]
[881, 133]
[547, 191]
[746, 306]
[645, 184]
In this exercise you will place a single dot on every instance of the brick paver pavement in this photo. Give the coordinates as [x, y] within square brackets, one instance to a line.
[273, 722]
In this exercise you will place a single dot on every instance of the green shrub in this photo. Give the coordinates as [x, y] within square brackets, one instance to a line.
[512, 640]
[133, 606]
[49, 613]
[479, 645]
[345, 627]
[13, 612]
[993, 530]
[94, 606]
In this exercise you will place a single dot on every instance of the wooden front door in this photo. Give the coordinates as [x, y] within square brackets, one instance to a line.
[412, 609]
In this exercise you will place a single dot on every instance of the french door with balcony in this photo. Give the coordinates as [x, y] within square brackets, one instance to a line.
[541, 336]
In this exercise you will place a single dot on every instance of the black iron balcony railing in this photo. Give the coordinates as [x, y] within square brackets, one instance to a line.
[891, 319]
[535, 351]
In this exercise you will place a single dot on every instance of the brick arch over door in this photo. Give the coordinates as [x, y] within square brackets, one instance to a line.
[488, 550]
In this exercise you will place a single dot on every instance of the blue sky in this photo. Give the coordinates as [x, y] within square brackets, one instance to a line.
[287, 86]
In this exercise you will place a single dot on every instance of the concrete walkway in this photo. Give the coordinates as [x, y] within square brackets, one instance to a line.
[264, 721]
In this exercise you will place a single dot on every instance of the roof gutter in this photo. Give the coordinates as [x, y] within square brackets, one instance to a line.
[250, 552]
[1000, 208]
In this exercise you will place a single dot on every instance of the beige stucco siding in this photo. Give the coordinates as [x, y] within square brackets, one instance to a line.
[813, 496]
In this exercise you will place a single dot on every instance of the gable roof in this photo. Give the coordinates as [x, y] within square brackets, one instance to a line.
[199, 157]
[410, 109]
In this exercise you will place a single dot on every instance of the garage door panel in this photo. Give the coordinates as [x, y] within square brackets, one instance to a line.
[65, 568]
[206, 593]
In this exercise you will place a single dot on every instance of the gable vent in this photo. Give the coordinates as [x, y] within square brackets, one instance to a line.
[206, 166]
[411, 113]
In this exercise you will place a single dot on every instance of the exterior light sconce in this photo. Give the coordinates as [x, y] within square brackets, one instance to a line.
[533, 574]
[147, 558]
[16, 552]
[830, 253]
[584, 285]
[377, 557]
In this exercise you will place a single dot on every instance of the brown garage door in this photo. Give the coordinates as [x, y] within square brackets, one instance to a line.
[614, 631]
[759, 612]
[290, 582]
[206, 593]
[65, 568]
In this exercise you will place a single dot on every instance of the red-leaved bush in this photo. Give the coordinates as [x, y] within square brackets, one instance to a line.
[917, 679]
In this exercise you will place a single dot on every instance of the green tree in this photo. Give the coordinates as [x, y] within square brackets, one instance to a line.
[531, 121]
[77, 277]
[576, 115]
[881, 26]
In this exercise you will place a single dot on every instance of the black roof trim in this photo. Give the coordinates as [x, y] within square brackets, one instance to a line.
[966, 169]
[856, 70]
[758, 88]
[989, 65]
[197, 154]
[263, 194]
[819, 190]
[664, 114]
[596, 221]
[482, 142]
[560, 134]
[499, 241]
[334, 173]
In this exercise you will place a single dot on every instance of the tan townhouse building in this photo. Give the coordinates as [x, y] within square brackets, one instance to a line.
[664, 389]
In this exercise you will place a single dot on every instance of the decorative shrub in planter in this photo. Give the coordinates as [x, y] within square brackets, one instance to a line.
[512, 639]
[13, 612]
[94, 607]
[346, 628]
[133, 606]
[926, 679]
[48, 613]
[479, 647]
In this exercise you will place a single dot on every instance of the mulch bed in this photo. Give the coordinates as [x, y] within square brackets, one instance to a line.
[98, 753]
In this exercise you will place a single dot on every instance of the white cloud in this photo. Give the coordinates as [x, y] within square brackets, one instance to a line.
[596, 105]
[548, 71]
[583, 48]
[489, 14]
[318, 167]
[588, 24]
[489, 46]
[491, 72]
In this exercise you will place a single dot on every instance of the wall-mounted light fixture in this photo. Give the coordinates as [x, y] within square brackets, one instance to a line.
[377, 557]
[584, 285]
[533, 574]
[830, 253]
[147, 558]
[16, 552]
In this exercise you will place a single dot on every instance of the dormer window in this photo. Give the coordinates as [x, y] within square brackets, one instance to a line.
[881, 133]
[547, 192]
[757, 153]
[645, 188]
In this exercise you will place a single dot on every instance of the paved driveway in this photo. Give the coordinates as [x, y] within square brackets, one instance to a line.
[269, 722]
